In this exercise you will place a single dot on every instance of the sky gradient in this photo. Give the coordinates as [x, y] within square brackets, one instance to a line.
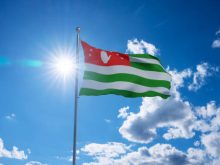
[36, 106]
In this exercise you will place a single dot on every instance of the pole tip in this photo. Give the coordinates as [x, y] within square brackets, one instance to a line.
[78, 29]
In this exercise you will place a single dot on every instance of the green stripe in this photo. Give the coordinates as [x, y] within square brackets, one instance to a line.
[147, 66]
[88, 75]
[94, 92]
[144, 56]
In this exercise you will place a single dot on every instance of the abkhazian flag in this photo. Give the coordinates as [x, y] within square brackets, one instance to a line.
[129, 75]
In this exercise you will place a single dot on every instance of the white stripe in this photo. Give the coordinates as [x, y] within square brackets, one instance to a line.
[120, 85]
[108, 70]
[144, 60]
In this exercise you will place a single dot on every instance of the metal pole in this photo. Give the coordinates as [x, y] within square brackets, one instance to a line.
[76, 96]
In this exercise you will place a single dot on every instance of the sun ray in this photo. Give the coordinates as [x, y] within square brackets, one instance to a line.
[61, 65]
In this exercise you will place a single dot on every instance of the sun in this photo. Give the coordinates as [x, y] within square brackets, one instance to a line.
[64, 66]
[61, 65]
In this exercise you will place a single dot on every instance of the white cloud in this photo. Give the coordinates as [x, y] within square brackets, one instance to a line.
[107, 121]
[157, 154]
[202, 126]
[10, 117]
[203, 71]
[14, 154]
[110, 149]
[209, 118]
[207, 111]
[218, 32]
[211, 142]
[216, 161]
[179, 117]
[170, 153]
[196, 143]
[209, 124]
[215, 122]
[35, 163]
[141, 47]
[173, 113]
[216, 43]
[156, 113]
[178, 79]
[123, 112]
[196, 156]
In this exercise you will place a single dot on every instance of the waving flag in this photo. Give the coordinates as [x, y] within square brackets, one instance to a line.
[129, 75]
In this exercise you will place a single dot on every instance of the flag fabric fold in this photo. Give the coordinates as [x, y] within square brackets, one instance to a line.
[129, 75]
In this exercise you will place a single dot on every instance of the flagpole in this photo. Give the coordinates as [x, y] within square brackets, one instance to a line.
[76, 96]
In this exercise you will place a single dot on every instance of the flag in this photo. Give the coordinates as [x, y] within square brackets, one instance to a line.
[129, 75]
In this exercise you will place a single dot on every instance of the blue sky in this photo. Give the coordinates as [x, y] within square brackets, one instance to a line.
[36, 108]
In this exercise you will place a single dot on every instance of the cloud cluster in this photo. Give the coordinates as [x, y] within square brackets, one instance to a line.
[111, 149]
[141, 47]
[203, 71]
[207, 111]
[158, 154]
[123, 112]
[13, 154]
[209, 125]
[180, 118]
[212, 143]
[177, 117]
[209, 118]
[156, 113]
[172, 113]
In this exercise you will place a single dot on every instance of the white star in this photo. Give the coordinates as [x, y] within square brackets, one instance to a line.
[90, 49]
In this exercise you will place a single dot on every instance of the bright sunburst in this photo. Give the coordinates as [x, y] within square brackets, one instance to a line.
[62, 65]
